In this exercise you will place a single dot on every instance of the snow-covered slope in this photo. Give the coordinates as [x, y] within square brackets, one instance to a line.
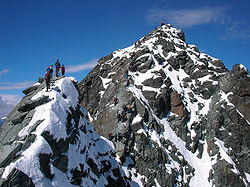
[58, 146]
[178, 129]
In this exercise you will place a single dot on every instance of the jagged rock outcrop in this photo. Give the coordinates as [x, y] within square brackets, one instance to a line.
[182, 118]
[237, 81]
[177, 106]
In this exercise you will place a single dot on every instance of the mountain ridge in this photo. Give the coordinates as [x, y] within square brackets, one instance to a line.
[174, 116]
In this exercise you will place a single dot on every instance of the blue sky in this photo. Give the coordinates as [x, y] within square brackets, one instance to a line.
[34, 33]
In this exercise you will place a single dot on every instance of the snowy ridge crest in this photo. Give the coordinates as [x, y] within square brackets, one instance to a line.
[59, 146]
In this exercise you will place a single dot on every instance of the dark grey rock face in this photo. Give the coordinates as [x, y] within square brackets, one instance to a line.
[224, 176]
[11, 145]
[226, 124]
[17, 178]
[194, 106]
[237, 81]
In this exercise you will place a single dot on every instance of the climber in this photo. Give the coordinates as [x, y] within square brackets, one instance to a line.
[47, 80]
[118, 137]
[119, 116]
[124, 116]
[128, 81]
[58, 65]
[154, 125]
[116, 100]
[163, 23]
[129, 108]
[131, 65]
[132, 100]
[63, 70]
[124, 108]
[110, 135]
[126, 74]
[132, 55]
[50, 69]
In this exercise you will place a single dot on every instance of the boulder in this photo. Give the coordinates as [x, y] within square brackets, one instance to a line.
[30, 89]
[31, 104]
[155, 83]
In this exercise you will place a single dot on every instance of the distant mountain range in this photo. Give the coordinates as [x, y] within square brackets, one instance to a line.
[1, 122]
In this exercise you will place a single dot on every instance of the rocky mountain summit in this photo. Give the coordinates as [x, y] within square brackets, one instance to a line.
[177, 116]
[163, 114]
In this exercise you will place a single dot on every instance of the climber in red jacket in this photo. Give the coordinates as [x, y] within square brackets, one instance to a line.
[47, 80]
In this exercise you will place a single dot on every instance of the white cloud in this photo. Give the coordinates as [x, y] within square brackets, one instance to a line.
[187, 17]
[13, 86]
[11, 99]
[236, 30]
[77, 68]
[232, 29]
[7, 103]
[4, 71]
